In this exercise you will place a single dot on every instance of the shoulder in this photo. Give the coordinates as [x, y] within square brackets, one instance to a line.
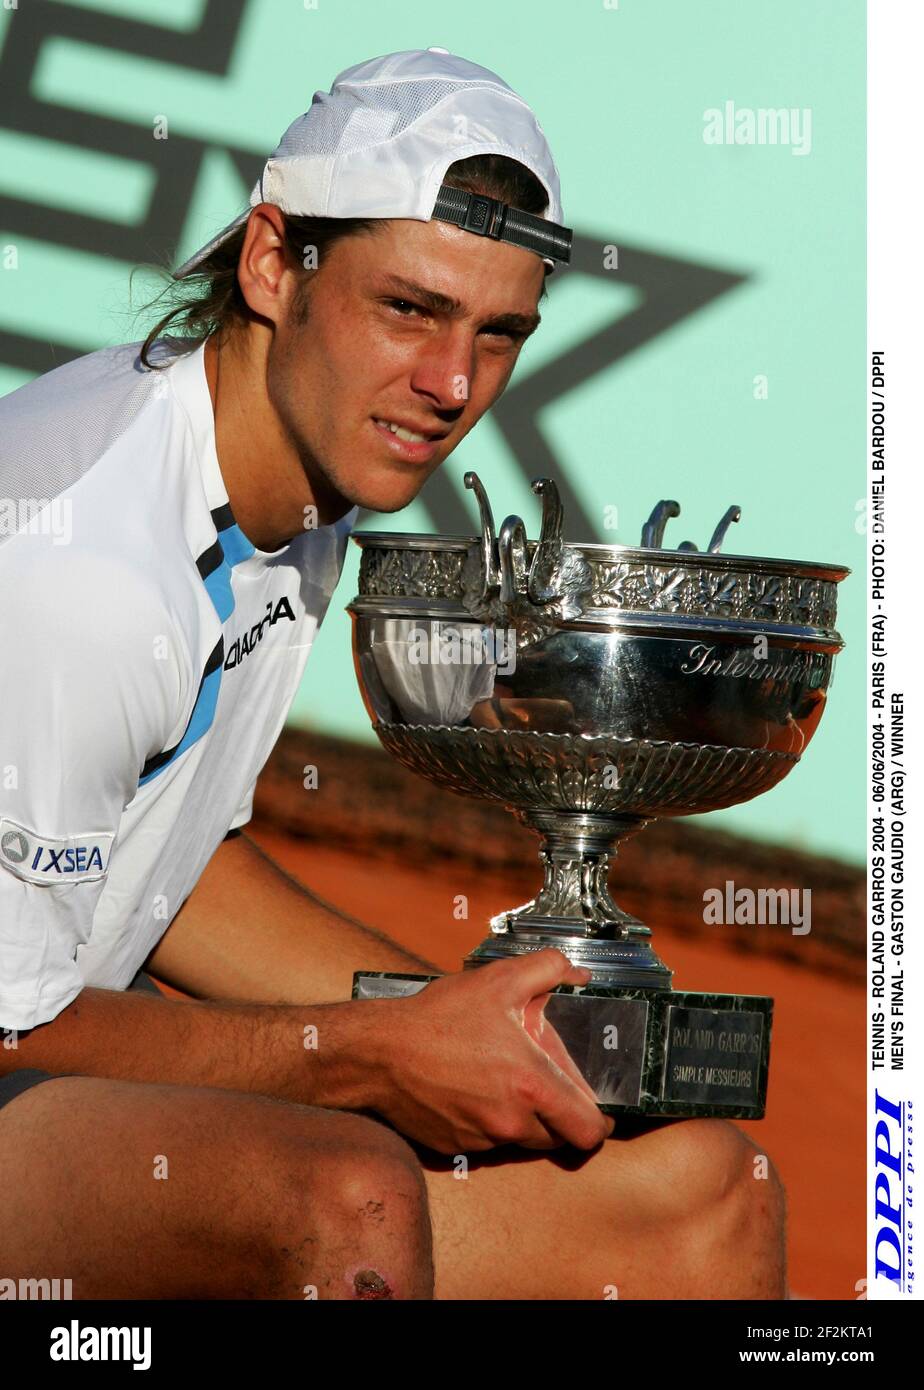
[68, 586]
[100, 378]
[53, 429]
[100, 552]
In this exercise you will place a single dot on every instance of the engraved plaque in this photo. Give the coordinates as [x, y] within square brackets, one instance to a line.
[713, 1055]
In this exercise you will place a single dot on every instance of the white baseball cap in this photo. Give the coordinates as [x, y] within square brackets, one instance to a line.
[380, 141]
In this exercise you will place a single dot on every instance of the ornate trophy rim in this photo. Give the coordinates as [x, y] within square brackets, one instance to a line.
[626, 621]
[599, 552]
[620, 588]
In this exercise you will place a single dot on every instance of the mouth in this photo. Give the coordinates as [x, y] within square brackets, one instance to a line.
[406, 442]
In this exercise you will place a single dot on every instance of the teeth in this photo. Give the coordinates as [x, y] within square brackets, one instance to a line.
[402, 433]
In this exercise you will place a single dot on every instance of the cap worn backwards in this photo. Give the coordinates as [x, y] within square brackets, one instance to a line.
[378, 144]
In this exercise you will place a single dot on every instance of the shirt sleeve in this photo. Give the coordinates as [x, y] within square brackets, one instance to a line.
[91, 684]
[246, 809]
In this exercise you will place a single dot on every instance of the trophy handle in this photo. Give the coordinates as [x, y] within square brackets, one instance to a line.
[653, 530]
[718, 535]
[501, 584]
[490, 574]
[511, 551]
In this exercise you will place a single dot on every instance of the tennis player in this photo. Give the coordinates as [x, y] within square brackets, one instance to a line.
[175, 516]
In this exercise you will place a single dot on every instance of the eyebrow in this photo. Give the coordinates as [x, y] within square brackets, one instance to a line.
[444, 304]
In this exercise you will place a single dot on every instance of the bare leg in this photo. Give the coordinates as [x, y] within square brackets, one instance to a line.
[155, 1191]
[676, 1211]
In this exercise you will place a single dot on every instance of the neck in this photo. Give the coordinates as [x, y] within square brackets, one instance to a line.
[263, 475]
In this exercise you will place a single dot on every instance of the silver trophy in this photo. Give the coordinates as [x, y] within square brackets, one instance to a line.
[590, 689]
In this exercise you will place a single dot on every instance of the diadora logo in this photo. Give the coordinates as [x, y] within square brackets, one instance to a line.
[243, 646]
[38, 859]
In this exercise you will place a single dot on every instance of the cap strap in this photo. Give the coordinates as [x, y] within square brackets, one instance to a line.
[488, 217]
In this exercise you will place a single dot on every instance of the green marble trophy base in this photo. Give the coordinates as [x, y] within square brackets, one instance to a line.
[655, 1052]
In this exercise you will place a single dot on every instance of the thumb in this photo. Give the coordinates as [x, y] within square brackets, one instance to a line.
[542, 970]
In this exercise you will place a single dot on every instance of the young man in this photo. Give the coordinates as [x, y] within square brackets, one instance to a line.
[191, 504]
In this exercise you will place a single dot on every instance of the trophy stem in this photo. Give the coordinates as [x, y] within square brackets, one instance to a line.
[574, 910]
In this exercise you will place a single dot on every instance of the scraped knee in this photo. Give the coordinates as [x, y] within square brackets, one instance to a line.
[354, 1219]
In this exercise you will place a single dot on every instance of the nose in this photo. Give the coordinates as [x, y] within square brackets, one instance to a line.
[444, 368]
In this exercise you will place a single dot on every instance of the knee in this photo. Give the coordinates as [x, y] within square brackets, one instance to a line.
[757, 1219]
[731, 1214]
[354, 1215]
[375, 1183]
[717, 1158]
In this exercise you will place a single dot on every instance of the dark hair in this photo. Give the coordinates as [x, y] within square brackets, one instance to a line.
[209, 300]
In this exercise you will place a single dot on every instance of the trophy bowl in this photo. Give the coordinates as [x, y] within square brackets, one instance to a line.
[590, 689]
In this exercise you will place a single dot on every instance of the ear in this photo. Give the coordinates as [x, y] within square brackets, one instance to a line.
[264, 270]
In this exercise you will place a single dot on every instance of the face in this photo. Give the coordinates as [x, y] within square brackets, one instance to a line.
[417, 325]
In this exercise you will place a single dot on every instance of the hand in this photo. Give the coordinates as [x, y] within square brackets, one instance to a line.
[471, 1062]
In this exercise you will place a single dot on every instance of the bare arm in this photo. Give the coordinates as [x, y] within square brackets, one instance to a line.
[133, 1036]
[250, 932]
[242, 940]
[465, 1065]
[457, 1067]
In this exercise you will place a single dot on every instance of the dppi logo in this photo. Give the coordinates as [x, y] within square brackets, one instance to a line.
[890, 1192]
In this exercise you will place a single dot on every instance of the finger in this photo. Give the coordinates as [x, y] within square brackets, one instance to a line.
[538, 972]
[568, 1111]
[578, 975]
[533, 1135]
[544, 1034]
[538, 1136]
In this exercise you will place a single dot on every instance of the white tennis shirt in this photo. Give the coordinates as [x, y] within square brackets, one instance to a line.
[148, 658]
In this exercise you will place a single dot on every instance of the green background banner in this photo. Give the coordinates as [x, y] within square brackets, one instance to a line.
[707, 344]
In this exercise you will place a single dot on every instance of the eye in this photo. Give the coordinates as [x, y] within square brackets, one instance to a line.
[404, 307]
[509, 334]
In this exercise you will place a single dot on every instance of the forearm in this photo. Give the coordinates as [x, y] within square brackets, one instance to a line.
[249, 932]
[316, 1055]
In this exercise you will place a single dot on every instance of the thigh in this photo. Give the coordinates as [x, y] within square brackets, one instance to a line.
[658, 1211]
[138, 1190]
[513, 1224]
